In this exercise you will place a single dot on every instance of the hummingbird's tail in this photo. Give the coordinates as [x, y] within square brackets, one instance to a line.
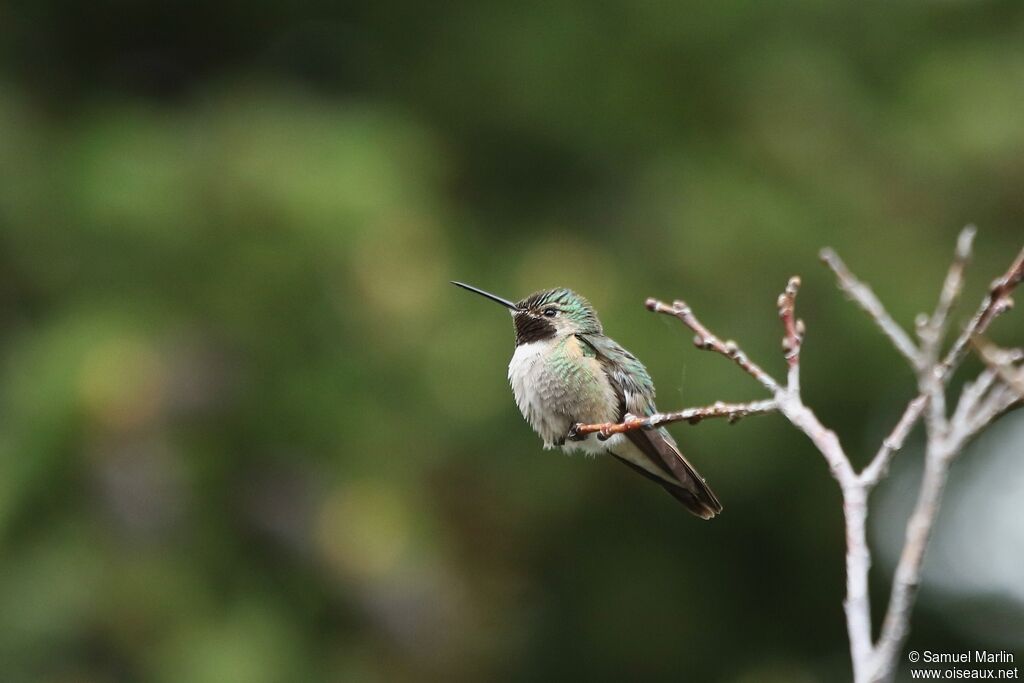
[663, 463]
[703, 506]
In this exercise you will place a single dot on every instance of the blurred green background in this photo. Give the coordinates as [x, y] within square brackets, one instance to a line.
[249, 432]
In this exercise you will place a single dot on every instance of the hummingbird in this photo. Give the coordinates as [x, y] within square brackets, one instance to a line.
[565, 371]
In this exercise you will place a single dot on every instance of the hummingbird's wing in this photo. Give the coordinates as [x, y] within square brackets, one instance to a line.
[665, 464]
[689, 488]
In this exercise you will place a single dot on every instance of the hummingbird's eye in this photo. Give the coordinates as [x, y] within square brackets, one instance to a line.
[550, 312]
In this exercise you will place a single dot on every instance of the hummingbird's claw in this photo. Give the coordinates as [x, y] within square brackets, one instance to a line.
[574, 433]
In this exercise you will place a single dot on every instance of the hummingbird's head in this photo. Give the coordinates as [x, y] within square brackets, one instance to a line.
[547, 314]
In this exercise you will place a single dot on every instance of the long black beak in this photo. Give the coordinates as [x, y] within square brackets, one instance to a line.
[493, 297]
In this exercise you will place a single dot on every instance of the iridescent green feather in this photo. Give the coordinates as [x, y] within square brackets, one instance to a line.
[627, 374]
[572, 305]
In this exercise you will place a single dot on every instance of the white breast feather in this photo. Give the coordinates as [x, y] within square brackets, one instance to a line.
[528, 376]
[535, 387]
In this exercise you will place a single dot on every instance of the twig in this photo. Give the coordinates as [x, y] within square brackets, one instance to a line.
[997, 302]
[1002, 362]
[862, 295]
[879, 465]
[704, 339]
[732, 412]
[998, 401]
[981, 402]
[794, 329]
[972, 393]
[933, 327]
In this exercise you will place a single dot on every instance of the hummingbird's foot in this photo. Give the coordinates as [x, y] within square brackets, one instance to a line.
[574, 433]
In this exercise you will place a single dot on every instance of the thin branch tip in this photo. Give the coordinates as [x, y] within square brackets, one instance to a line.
[879, 465]
[931, 330]
[793, 327]
[965, 241]
[861, 294]
[998, 301]
[706, 340]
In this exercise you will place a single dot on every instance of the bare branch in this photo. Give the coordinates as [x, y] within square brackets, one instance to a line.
[999, 400]
[857, 604]
[792, 333]
[933, 328]
[709, 342]
[794, 329]
[907, 578]
[996, 302]
[981, 401]
[972, 394]
[1002, 362]
[732, 412]
[787, 400]
[932, 331]
[862, 295]
[879, 465]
